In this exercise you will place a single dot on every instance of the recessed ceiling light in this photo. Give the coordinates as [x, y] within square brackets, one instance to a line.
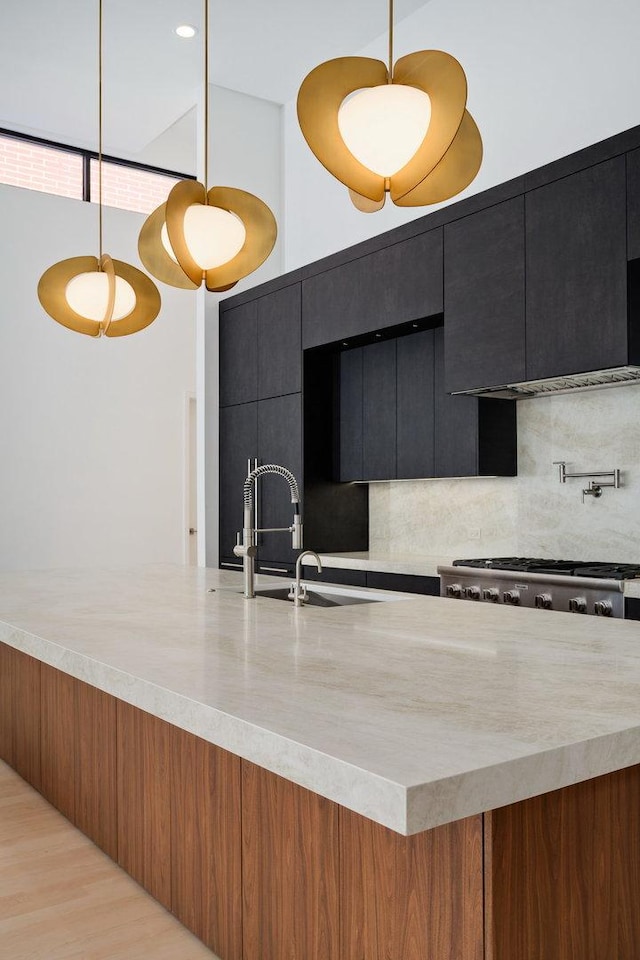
[186, 31]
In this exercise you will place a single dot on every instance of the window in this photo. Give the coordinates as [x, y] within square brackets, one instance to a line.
[130, 188]
[70, 172]
[25, 163]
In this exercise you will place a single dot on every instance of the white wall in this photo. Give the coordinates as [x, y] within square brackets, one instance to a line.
[545, 79]
[92, 430]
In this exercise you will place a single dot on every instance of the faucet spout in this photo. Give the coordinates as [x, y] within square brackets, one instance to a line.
[247, 549]
[298, 592]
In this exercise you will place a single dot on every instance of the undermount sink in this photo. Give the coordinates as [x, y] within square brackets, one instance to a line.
[326, 595]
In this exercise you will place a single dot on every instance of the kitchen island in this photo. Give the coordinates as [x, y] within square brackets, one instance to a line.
[417, 778]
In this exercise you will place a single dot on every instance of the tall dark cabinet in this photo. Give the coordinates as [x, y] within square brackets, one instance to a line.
[260, 417]
[576, 272]
[484, 295]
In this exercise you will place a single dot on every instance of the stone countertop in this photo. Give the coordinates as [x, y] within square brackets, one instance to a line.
[408, 563]
[413, 713]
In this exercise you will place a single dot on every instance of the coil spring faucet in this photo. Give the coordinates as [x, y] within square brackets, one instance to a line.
[248, 549]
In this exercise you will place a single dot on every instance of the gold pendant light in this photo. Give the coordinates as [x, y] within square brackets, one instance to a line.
[97, 295]
[401, 130]
[218, 235]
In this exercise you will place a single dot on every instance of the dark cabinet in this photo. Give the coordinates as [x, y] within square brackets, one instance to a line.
[239, 354]
[279, 343]
[279, 441]
[538, 286]
[633, 205]
[415, 412]
[403, 282]
[269, 431]
[576, 267]
[484, 298]
[238, 450]
[411, 428]
[260, 348]
[350, 415]
[379, 410]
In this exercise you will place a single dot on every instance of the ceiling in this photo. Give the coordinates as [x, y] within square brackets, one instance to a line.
[48, 59]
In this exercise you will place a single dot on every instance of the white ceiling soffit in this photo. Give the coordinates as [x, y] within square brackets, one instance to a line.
[48, 59]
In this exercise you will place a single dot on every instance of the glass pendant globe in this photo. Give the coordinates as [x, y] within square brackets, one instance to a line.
[166, 243]
[88, 295]
[384, 126]
[213, 236]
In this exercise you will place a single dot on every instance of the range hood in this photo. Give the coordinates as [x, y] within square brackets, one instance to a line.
[613, 377]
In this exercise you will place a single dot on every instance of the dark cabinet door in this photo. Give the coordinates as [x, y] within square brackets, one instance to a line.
[633, 205]
[576, 297]
[350, 416]
[238, 450]
[400, 283]
[379, 411]
[279, 343]
[279, 441]
[415, 405]
[456, 425]
[238, 354]
[484, 298]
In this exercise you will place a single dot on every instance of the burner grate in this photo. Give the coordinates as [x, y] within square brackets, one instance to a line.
[570, 568]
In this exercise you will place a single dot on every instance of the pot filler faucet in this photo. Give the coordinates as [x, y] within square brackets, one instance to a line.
[248, 549]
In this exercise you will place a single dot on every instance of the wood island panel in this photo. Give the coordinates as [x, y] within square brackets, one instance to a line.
[411, 898]
[7, 723]
[290, 863]
[96, 799]
[144, 800]
[563, 873]
[206, 843]
[26, 716]
[58, 739]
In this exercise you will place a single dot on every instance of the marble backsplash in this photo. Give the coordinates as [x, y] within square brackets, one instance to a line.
[532, 514]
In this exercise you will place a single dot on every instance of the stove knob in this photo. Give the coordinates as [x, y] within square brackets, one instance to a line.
[603, 608]
[511, 596]
[578, 605]
[454, 590]
[543, 601]
[491, 594]
[472, 593]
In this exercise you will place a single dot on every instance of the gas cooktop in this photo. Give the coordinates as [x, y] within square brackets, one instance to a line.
[568, 568]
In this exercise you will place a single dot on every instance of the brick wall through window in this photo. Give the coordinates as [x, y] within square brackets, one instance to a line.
[130, 188]
[36, 167]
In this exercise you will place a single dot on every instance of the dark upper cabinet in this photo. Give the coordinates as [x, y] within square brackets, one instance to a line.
[474, 436]
[484, 298]
[633, 205]
[415, 411]
[238, 448]
[411, 428]
[279, 343]
[379, 410]
[239, 354]
[279, 441]
[576, 268]
[400, 283]
[350, 415]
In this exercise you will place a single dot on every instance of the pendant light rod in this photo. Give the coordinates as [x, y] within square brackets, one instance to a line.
[206, 96]
[100, 126]
[390, 79]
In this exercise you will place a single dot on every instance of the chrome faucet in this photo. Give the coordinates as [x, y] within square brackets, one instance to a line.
[248, 549]
[298, 592]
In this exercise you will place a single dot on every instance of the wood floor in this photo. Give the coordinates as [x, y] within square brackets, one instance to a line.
[61, 898]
